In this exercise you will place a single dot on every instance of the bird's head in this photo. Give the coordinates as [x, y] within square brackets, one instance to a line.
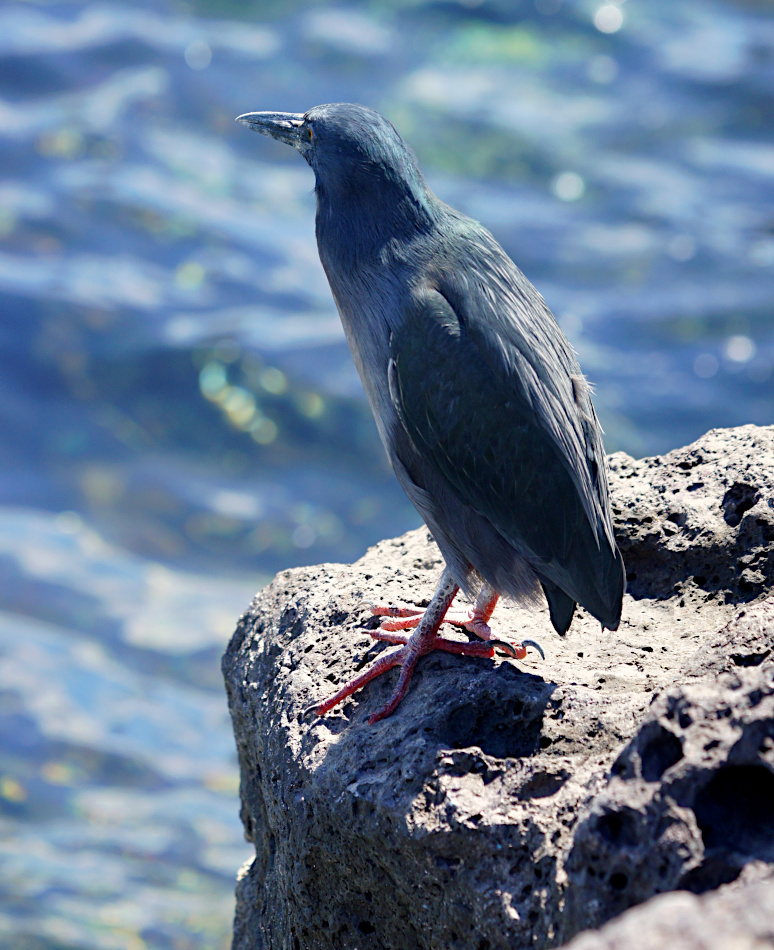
[352, 149]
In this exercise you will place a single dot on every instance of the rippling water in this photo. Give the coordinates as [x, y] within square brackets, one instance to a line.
[180, 414]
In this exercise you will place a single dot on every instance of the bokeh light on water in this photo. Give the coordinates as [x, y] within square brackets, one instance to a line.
[180, 414]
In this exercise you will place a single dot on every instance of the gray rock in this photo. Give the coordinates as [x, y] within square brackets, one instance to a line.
[514, 805]
[699, 520]
[731, 918]
[687, 805]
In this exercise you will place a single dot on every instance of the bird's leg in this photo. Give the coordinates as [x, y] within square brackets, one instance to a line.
[478, 623]
[422, 641]
[476, 620]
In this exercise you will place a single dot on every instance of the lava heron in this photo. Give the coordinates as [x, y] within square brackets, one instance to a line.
[477, 395]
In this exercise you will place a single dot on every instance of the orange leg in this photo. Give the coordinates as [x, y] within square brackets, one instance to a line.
[475, 621]
[424, 640]
[421, 642]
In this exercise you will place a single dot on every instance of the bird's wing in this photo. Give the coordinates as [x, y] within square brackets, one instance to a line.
[475, 406]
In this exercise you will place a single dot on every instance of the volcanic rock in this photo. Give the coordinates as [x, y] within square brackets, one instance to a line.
[513, 805]
[731, 918]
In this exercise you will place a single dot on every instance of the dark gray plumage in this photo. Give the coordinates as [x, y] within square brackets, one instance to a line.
[478, 396]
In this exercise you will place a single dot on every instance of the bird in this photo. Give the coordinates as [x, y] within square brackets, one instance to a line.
[477, 394]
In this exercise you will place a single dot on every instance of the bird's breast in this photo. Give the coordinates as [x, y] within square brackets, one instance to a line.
[367, 306]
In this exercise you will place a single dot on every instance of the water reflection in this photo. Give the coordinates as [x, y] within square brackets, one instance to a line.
[180, 414]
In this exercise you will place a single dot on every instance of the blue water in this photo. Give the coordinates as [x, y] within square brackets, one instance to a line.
[180, 416]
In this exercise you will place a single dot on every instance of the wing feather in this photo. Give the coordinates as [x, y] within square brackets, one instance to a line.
[515, 441]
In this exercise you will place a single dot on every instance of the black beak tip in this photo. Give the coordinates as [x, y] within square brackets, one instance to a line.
[282, 126]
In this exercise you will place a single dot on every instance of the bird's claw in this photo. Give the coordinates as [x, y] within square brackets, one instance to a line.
[310, 709]
[516, 651]
[535, 646]
[505, 648]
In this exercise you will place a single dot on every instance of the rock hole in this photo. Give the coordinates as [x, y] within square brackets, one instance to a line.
[768, 530]
[447, 863]
[543, 784]
[749, 659]
[617, 827]
[618, 881]
[714, 870]
[661, 751]
[735, 811]
[500, 725]
[366, 927]
[619, 766]
[739, 499]
[631, 576]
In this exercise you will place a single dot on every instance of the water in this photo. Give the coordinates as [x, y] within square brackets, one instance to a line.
[179, 411]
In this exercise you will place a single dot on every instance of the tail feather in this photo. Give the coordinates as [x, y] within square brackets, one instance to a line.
[604, 597]
[596, 583]
[561, 607]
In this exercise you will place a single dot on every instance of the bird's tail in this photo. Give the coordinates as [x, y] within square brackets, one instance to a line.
[561, 606]
[597, 583]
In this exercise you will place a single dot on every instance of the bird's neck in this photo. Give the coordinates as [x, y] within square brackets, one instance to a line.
[361, 224]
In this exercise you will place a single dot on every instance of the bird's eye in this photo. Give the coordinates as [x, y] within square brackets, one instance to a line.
[310, 133]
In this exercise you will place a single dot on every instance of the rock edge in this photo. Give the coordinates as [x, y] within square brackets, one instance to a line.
[515, 805]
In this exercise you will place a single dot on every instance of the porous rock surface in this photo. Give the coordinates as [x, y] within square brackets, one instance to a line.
[513, 805]
[731, 918]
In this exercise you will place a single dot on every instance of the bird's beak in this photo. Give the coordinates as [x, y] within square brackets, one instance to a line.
[284, 126]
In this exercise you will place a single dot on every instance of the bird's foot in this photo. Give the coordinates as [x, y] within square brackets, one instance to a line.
[406, 618]
[411, 649]
[424, 640]
[475, 620]
[487, 649]
[421, 642]
[516, 651]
